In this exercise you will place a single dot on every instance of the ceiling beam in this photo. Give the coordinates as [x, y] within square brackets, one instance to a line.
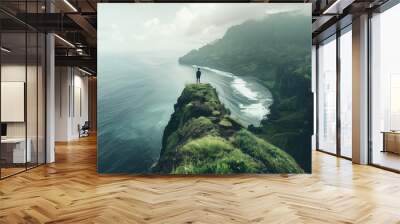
[49, 22]
[86, 26]
[82, 61]
[337, 7]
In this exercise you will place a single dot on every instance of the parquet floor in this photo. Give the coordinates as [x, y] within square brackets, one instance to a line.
[10, 171]
[70, 191]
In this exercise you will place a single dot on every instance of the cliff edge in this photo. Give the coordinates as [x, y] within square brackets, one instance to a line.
[201, 138]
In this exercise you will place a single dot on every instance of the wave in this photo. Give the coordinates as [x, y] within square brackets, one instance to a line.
[258, 110]
[242, 87]
[238, 84]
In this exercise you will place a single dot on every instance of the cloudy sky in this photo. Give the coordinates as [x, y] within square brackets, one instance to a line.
[147, 27]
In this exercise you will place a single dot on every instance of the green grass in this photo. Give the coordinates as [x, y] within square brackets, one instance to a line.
[275, 159]
[201, 138]
[206, 148]
[215, 155]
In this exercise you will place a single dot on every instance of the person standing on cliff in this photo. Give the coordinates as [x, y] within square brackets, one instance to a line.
[198, 75]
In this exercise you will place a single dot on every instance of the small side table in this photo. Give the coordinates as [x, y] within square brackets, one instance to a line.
[391, 141]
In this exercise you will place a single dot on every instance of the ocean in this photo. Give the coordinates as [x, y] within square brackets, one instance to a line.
[136, 95]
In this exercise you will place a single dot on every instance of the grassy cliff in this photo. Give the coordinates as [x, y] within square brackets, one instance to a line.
[277, 51]
[201, 138]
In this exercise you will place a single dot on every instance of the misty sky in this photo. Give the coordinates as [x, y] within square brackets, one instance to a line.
[148, 27]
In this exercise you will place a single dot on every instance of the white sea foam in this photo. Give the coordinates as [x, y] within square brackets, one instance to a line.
[238, 84]
[241, 86]
[257, 110]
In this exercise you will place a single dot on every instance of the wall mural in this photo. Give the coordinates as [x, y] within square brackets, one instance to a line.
[204, 88]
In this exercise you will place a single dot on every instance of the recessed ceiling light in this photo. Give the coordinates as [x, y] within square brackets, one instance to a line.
[5, 50]
[70, 5]
[84, 71]
[337, 7]
[64, 40]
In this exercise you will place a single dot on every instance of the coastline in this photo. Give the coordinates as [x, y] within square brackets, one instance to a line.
[260, 103]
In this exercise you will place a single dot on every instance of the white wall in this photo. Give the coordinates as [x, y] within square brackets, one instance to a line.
[62, 82]
[71, 102]
[12, 73]
[16, 73]
[34, 126]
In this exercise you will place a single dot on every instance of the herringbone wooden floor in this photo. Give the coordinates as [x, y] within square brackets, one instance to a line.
[70, 191]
